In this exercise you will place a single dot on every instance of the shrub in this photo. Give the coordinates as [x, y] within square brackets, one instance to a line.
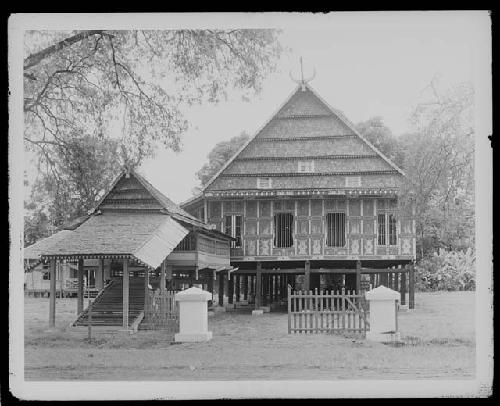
[446, 270]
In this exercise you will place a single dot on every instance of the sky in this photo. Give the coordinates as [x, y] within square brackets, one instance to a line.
[367, 64]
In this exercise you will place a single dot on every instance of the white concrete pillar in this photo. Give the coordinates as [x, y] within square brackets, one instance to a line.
[193, 315]
[383, 314]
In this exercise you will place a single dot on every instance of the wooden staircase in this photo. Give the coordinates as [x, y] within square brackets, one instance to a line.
[107, 310]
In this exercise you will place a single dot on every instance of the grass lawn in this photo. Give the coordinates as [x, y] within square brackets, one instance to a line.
[440, 329]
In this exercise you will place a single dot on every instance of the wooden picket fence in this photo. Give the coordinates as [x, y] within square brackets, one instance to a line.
[162, 311]
[327, 311]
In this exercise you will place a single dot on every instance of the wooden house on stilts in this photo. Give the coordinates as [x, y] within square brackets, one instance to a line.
[144, 244]
[311, 204]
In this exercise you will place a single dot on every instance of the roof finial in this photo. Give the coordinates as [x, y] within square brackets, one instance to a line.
[302, 80]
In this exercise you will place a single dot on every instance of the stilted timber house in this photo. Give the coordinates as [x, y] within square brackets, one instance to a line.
[143, 244]
[311, 204]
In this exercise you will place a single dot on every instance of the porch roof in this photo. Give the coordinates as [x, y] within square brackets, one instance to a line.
[149, 238]
[34, 251]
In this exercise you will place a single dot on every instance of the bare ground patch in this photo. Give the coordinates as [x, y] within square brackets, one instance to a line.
[440, 334]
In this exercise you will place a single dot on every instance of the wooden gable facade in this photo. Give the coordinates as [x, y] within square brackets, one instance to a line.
[308, 195]
[309, 161]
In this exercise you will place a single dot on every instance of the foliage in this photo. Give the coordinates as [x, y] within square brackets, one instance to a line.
[85, 170]
[124, 93]
[439, 169]
[219, 155]
[382, 138]
[446, 270]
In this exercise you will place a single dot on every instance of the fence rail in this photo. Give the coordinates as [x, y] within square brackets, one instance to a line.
[326, 311]
[161, 311]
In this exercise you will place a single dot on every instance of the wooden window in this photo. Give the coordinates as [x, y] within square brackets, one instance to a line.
[387, 229]
[335, 228]
[283, 230]
[264, 183]
[306, 166]
[353, 181]
[232, 227]
[46, 276]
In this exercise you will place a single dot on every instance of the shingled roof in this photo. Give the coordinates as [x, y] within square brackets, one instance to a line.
[306, 129]
[34, 251]
[132, 220]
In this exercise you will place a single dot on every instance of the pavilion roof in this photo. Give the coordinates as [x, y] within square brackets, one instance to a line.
[35, 251]
[147, 237]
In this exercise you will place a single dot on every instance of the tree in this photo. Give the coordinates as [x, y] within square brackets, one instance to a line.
[85, 169]
[219, 155]
[125, 89]
[382, 138]
[440, 168]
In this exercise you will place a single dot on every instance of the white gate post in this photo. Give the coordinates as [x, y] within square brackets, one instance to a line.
[193, 315]
[383, 314]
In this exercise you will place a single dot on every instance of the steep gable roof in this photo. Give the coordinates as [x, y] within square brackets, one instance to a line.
[304, 127]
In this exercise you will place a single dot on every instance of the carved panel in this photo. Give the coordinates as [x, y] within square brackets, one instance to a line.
[250, 247]
[316, 246]
[316, 207]
[264, 208]
[406, 246]
[368, 227]
[368, 207]
[303, 226]
[251, 210]
[265, 227]
[303, 207]
[368, 246]
[264, 247]
[354, 208]
[302, 246]
[355, 226]
[316, 226]
[354, 246]
[251, 227]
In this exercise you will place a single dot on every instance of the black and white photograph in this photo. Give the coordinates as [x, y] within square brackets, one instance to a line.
[250, 205]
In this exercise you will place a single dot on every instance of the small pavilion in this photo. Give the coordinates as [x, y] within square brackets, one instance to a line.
[135, 231]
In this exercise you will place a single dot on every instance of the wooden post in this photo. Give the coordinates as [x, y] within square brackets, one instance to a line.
[107, 270]
[271, 289]
[221, 289]
[125, 278]
[146, 292]
[169, 275]
[89, 320]
[237, 281]
[163, 277]
[358, 277]
[230, 288]
[258, 286]
[245, 287]
[307, 276]
[289, 310]
[52, 304]
[403, 287]
[265, 289]
[372, 280]
[210, 282]
[411, 288]
[79, 303]
[99, 275]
